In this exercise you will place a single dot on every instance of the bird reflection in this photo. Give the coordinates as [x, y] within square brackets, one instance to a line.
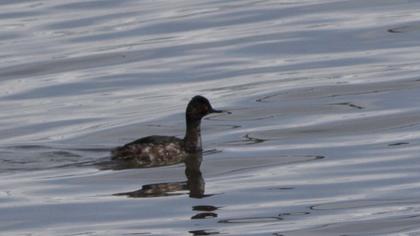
[205, 212]
[203, 232]
[195, 183]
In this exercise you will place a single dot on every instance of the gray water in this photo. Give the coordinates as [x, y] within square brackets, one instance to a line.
[323, 138]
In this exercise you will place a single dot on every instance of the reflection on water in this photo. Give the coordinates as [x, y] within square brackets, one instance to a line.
[206, 211]
[156, 190]
[203, 232]
[195, 183]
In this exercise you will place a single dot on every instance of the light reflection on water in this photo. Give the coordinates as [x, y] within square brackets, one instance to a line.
[322, 139]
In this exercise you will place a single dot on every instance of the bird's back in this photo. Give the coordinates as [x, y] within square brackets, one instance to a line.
[152, 151]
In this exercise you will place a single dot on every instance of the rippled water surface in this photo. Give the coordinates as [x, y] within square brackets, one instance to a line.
[323, 138]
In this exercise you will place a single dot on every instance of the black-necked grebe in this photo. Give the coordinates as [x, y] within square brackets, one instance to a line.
[164, 150]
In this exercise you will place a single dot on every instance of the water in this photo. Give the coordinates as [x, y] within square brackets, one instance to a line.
[322, 140]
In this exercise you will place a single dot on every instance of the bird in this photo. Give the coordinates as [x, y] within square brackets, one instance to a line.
[159, 150]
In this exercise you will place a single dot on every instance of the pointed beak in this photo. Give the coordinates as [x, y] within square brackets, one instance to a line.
[219, 111]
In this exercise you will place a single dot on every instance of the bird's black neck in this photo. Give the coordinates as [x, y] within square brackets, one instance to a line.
[193, 135]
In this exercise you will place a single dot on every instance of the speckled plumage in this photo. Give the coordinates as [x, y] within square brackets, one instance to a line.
[165, 150]
[152, 150]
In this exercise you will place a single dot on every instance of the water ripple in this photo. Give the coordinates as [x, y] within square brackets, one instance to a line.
[322, 140]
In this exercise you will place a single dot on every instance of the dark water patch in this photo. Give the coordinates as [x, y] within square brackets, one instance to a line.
[157, 190]
[204, 215]
[278, 234]
[194, 186]
[203, 232]
[167, 190]
[29, 147]
[282, 188]
[207, 212]
[231, 126]
[349, 104]
[398, 144]
[405, 29]
[396, 30]
[205, 208]
[294, 213]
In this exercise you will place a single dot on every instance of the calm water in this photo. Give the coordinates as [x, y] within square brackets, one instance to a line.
[323, 138]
